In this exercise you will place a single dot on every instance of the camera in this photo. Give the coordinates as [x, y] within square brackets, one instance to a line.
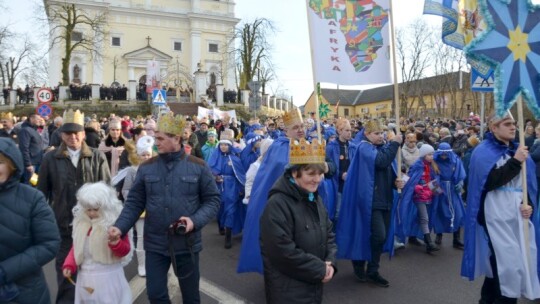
[177, 228]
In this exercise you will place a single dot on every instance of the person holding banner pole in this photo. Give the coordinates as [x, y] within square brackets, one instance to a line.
[496, 244]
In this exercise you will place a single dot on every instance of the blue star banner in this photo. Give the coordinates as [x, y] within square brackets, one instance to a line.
[511, 45]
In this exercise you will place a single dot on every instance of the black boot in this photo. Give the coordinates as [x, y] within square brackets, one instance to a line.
[414, 241]
[438, 239]
[228, 237]
[457, 243]
[359, 268]
[430, 246]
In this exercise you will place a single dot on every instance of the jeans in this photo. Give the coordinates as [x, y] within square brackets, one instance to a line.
[158, 265]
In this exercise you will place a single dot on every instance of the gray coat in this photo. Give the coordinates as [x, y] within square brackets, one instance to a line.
[168, 187]
[59, 180]
[29, 237]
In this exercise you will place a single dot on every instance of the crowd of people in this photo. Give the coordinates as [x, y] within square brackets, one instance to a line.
[336, 189]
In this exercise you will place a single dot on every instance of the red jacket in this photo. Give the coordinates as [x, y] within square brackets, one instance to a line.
[121, 249]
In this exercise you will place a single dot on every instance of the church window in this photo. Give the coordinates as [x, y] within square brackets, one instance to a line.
[177, 46]
[115, 41]
[76, 36]
[213, 48]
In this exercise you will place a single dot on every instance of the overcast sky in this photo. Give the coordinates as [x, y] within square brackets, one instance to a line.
[291, 53]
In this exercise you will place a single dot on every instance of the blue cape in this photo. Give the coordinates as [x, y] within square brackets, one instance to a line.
[451, 170]
[248, 156]
[407, 214]
[272, 167]
[354, 226]
[231, 213]
[483, 159]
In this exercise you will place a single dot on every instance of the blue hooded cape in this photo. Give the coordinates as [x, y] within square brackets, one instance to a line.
[483, 159]
[232, 211]
[452, 173]
[407, 217]
[248, 156]
[354, 226]
[272, 167]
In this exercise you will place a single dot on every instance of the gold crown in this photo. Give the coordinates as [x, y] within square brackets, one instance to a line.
[6, 116]
[292, 118]
[168, 123]
[75, 117]
[303, 152]
[373, 125]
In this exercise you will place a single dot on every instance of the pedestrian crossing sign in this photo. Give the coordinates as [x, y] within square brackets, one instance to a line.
[159, 97]
[481, 83]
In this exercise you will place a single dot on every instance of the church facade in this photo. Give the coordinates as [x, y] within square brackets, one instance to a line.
[182, 36]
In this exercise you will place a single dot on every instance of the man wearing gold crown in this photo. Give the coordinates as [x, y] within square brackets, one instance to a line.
[62, 172]
[365, 226]
[297, 240]
[269, 172]
[7, 121]
[180, 197]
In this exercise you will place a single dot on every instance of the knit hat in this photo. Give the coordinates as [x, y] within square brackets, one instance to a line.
[115, 124]
[211, 132]
[426, 149]
[145, 144]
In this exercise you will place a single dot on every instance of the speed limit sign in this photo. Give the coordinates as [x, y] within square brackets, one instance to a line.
[44, 95]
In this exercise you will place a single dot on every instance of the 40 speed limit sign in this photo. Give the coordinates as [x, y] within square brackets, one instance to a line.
[44, 95]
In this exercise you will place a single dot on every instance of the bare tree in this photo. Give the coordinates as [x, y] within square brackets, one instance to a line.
[11, 65]
[447, 61]
[75, 29]
[413, 45]
[253, 50]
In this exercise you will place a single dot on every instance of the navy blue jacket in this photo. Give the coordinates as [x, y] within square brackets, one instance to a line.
[168, 187]
[29, 237]
[30, 144]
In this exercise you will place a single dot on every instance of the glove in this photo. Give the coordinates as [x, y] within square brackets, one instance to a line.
[459, 187]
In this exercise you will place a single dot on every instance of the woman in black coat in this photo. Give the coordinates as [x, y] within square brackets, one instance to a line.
[29, 238]
[297, 242]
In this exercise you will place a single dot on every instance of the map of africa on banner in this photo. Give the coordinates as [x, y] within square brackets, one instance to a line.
[350, 41]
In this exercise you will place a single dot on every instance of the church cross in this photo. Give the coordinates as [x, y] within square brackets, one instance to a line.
[148, 39]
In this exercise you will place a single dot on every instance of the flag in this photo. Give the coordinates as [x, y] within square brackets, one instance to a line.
[153, 76]
[350, 41]
[461, 24]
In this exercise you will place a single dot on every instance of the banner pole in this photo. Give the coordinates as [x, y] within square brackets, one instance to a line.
[525, 200]
[396, 86]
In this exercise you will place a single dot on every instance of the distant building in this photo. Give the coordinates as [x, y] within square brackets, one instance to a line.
[440, 96]
[174, 33]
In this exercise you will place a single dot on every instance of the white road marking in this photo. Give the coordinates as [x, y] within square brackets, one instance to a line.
[211, 289]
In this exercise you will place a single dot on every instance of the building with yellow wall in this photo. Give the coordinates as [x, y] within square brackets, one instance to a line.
[177, 34]
[442, 96]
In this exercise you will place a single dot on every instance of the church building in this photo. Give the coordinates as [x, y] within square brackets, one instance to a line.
[182, 36]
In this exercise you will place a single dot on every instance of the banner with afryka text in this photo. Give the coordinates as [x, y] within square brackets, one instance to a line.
[350, 41]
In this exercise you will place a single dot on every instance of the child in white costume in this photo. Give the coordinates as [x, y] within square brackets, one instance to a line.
[100, 263]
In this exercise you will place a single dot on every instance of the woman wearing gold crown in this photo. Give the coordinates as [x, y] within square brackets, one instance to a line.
[297, 241]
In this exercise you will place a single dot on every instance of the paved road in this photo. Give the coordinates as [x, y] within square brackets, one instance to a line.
[415, 277]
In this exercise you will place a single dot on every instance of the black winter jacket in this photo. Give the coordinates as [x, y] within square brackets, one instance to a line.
[168, 187]
[29, 238]
[296, 240]
[59, 180]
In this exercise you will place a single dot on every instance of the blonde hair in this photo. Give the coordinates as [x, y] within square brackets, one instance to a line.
[10, 165]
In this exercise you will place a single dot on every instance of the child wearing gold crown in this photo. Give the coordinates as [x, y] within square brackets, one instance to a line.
[100, 262]
[296, 236]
